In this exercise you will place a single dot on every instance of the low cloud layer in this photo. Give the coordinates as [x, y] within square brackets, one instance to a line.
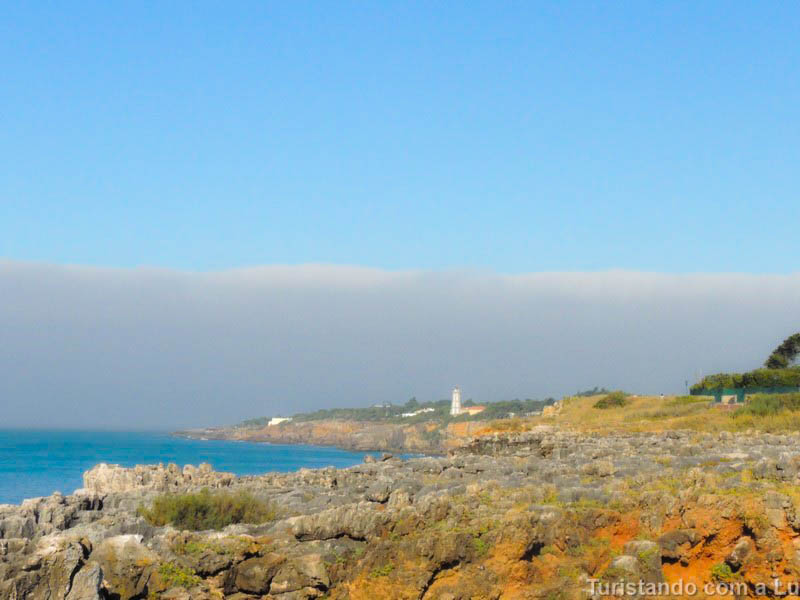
[146, 348]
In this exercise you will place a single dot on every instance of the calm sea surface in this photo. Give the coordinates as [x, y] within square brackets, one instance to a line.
[38, 463]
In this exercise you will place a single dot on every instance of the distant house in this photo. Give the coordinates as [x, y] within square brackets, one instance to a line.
[473, 410]
[278, 420]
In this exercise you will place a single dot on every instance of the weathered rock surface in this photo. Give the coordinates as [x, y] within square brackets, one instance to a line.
[526, 515]
[109, 479]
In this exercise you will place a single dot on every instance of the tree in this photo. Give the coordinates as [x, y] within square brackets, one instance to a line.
[785, 354]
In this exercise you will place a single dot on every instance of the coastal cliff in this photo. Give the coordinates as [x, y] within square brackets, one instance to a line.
[544, 513]
[365, 436]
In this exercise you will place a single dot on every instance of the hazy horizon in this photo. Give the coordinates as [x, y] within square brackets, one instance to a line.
[143, 348]
[522, 199]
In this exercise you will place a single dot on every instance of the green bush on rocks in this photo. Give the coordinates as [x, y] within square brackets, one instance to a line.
[205, 510]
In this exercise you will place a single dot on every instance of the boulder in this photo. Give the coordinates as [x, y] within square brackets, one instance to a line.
[127, 564]
[648, 555]
[254, 575]
[304, 572]
[356, 521]
[740, 553]
[675, 543]
[87, 583]
[379, 491]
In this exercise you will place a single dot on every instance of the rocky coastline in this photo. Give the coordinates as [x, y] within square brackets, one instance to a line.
[538, 514]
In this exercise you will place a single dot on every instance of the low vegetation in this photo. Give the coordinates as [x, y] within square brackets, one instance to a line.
[764, 405]
[383, 571]
[438, 411]
[721, 572]
[762, 412]
[759, 378]
[173, 575]
[612, 400]
[779, 372]
[207, 510]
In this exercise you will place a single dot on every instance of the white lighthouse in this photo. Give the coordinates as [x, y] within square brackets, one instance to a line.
[455, 404]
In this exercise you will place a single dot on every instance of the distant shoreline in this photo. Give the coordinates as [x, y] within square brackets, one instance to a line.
[428, 438]
[39, 463]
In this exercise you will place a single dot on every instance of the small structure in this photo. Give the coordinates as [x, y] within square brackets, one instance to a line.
[278, 420]
[417, 412]
[455, 403]
[474, 410]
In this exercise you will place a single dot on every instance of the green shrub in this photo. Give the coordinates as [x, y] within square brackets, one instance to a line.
[721, 572]
[175, 576]
[612, 400]
[205, 510]
[481, 546]
[763, 378]
[383, 571]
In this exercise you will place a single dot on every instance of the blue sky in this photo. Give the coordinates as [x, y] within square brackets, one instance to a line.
[513, 137]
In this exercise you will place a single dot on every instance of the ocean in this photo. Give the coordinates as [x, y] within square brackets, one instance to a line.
[38, 463]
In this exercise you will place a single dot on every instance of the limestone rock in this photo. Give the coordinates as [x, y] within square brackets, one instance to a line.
[87, 583]
[127, 564]
[105, 479]
[741, 551]
[254, 575]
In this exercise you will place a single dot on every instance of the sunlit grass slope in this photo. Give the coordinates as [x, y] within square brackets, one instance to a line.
[653, 413]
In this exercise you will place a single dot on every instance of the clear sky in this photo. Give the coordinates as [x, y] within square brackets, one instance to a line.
[515, 137]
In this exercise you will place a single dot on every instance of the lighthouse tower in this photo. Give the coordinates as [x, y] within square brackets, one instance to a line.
[455, 404]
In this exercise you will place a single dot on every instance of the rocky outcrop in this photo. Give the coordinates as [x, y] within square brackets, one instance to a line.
[108, 479]
[536, 514]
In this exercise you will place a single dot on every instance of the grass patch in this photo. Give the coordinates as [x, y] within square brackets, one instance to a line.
[688, 400]
[206, 510]
[765, 405]
[383, 571]
[651, 413]
[514, 424]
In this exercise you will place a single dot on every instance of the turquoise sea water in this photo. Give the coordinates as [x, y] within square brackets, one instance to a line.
[38, 463]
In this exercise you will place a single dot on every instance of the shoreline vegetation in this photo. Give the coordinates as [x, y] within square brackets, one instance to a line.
[393, 413]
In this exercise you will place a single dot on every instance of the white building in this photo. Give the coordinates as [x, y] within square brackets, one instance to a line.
[278, 420]
[417, 412]
[455, 403]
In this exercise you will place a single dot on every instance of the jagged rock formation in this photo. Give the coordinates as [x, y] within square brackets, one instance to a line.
[539, 514]
[109, 479]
